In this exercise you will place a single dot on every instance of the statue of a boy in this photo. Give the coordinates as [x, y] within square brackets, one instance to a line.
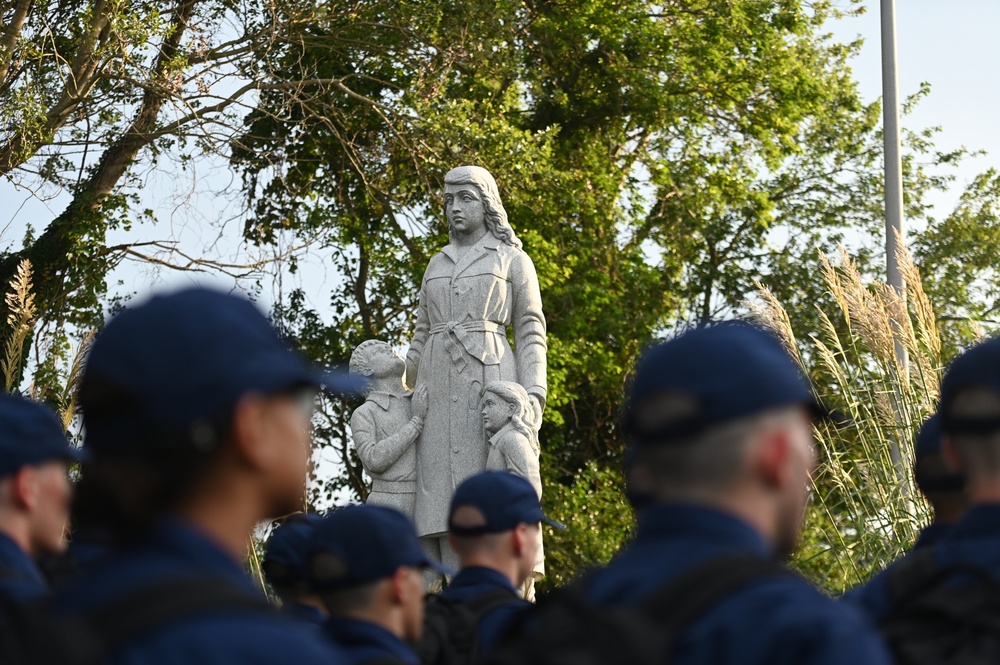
[386, 427]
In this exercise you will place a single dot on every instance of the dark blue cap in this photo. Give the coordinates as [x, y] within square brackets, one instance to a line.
[357, 545]
[284, 562]
[928, 438]
[979, 367]
[30, 434]
[715, 375]
[173, 368]
[505, 500]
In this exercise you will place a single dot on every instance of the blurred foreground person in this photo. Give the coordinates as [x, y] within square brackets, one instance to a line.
[284, 568]
[34, 493]
[495, 527]
[721, 423]
[366, 564]
[941, 604]
[197, 426]
[939, 482]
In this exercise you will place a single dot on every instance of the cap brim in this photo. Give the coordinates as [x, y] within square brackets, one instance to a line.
[553, 523]
[75, 454]
[820, 413]
[340, 383]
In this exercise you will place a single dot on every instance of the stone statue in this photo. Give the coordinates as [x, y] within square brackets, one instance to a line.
[513, 442]
[386, 427]
[479, 286]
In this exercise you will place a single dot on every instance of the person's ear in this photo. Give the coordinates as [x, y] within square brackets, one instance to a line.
[399, 585]
[249, 432]
[769, 453]
[519, 538]
[25, 487]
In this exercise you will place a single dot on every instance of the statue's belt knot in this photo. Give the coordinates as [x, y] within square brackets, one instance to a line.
[459, 342]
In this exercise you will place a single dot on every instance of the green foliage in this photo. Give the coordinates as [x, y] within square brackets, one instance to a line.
[597, 516]
[958, 256]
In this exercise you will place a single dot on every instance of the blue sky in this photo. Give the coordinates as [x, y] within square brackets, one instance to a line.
[954, 47]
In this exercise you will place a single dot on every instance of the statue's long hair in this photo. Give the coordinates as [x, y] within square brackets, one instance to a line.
[496, 216]
[523, 418]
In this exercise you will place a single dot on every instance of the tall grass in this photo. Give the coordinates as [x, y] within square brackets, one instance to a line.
[20, 321]
[864, 511]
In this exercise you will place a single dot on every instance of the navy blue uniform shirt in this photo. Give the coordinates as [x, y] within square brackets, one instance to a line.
[475, 581]
[973, 541]
[177, 550]
[776, 621]
[365, 642]
[20, 578]
[304, 613]
[931, 534]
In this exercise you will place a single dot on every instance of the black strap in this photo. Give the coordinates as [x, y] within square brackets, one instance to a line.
[488, 601]
[920, 572]
[446, 630]
[697, 590]
[917, 571]
[31, 635]
[161, 603]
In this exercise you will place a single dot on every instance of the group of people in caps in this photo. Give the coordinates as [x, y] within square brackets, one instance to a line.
[196, 430]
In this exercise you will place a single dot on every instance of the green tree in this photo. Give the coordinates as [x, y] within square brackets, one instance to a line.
[654, 159]
[958, 256]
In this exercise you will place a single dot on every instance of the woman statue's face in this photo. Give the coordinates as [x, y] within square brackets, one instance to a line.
[463, 205]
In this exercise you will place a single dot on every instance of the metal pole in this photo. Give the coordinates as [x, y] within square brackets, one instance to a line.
[893, 194]
[893, 162]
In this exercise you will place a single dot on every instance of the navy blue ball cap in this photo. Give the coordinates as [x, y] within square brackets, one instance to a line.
[177, 364]
[928, 438]
[361, 544]
[504, 499]
[710, 376]
[284, 561]
[31, 434]
[979, 367]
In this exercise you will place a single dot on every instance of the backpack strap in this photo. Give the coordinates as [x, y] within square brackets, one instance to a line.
[914, 573]
[31, 635]
[696, 591]
[160, 603]
[485, 603]
[920, 573]
[582, 632]
[451, 626]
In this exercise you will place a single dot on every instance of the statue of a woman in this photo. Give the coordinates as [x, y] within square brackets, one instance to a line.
[479, 286]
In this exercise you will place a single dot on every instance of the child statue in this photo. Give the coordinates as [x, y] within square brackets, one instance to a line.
[386, 427]
[513, 442]
[508, 419]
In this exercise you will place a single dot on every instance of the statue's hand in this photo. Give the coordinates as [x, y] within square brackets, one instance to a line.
[536, 411]
[419, 403]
